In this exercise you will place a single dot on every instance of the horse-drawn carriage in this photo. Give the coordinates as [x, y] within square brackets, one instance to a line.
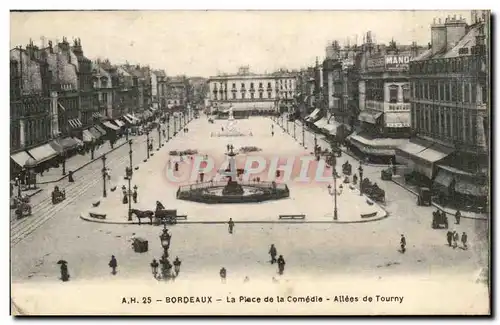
[22, 206]
[373, 191]
[347, 168]
[58, 195]
[386, 174]
[439, 220]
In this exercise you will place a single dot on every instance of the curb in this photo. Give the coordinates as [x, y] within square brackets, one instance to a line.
[89, 219]
[35, 193]
[437, 205]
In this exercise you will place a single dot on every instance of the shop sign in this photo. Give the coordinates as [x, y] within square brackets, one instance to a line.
[397, 62]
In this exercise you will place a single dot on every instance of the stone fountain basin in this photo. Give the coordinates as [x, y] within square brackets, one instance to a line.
[251, 194]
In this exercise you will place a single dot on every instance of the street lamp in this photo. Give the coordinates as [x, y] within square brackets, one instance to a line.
[303, 134]
[147, 144]
[18, 184]
[63, 155]
[129, 172]
[168, 127]
[360, 170]
[104, 193]
[294, 125]
[333, 191]
[159, 137]
[287, 123]
[166, 267]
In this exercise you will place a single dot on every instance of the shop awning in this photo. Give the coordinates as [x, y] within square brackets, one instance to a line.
[100, 129]
[421, 155]
[444, 178]
[62, 145]
[75, 123]
[133, 117]
[96, 115]
[376, 147]
[94, 133]
[128, 119]
[110, 126]
[435, 153]
[370, 116]
[43, 153]
[409, 150]
[119, 123]
[78, 141]
[87, 136]
[321, 123]
[469, 186]
[313, 115]
[20, 158]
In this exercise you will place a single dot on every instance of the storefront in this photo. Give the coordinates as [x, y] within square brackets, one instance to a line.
[314, 116]
[20, 158]
[370, 116]
[379, 150]
[421, 156]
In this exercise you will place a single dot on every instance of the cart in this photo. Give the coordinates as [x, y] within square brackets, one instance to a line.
[424, 196]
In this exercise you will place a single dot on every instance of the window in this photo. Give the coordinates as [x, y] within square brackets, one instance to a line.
[447, 96]
[406, 94]
[260, 95]
[215, 95]
[260, 84]
[242, 95]
[268, 85]
[393, 94]
[269, 95]
[234, 85]
[466, 92]
[242, 85]
[252, 95]
[484, 95]
[251, 85]
[454, 92]
[234, 95]
[474, 93]
[467, 134]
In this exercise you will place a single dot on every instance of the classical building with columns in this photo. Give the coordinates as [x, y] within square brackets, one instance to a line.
[248, 91]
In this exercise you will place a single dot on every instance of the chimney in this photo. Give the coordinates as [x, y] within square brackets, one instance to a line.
[455, 30]
[438, 37]
[51, 50]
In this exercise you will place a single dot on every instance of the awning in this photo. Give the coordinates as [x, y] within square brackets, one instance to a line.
[75, 123]
[87, 136]
[110, 126]
[321, 123]
[100, 129]
[370, 116]
[444, 178]
[20, 158]
[469, 186]
[119, 123]
[94, 132]
[96, 115]
[128, 119]
[43, 153]
[313, 115]
[376, 147]
[61, 145]
[78, 141]
[133, 117]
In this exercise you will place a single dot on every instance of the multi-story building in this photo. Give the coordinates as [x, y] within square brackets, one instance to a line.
[306, 90]
[450, 110]
[177, 92]
[384, 98]
[199, 90]
[248, 91]
[159, 89]
[103, 85]
[30, 104]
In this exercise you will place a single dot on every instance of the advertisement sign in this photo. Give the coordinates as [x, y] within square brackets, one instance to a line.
[398, 62]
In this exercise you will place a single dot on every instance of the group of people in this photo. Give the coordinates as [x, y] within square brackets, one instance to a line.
[452, 239]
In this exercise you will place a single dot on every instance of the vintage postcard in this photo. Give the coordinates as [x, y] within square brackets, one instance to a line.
[250, 162]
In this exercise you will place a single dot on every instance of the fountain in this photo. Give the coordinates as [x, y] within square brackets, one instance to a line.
[231, 130]
[230, 191]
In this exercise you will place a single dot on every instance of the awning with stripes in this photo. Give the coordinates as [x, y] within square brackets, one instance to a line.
[87, 136]
[133, 117]
[96, 115]
[75, 123]
[119, 123]
[20, 158]
[43, 153]
[128, 119]
[95, 133]
[110, 126]
[100, 129]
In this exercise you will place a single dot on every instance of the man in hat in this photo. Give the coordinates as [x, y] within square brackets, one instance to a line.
[223, 274]
[449, 237]
[464, 240]
[273, 252]
[455, 239]
[113, 264]
[231, 225]
[281, 264]
[458, 215]
[403, 244]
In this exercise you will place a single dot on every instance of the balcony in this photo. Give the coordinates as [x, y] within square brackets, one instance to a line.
[399, 107]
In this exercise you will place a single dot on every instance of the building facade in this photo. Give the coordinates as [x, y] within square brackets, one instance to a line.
[450, 110]
[177, 96]
[103, 85]
[247, 91]
[159, 89]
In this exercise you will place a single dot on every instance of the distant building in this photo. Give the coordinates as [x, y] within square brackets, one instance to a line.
[248, 91]
[177, 92]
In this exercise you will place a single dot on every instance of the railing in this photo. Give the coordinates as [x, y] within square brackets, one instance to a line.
[204, 185]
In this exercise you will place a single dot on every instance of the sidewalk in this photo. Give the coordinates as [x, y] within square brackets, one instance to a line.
[399, 180]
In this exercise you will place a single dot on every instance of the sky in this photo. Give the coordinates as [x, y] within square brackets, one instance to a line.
[204, 43]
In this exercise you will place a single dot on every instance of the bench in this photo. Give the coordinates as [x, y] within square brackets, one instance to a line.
[368, 215]
[181, 217]
[97, 216]
[292, 216]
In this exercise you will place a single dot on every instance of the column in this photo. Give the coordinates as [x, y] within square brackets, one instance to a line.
[22, 134]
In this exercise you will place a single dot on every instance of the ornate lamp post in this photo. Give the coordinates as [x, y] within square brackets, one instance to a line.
[166, 267]
[104, 174]
[159, 137]
[18, 184]
[303, 134]
[147, 144]
[315, 142]
[129, 173]
[168, 127]
[294, 135]
[360, 170]
[333, 191]
[63, 156]
[287, 124]
[175, 124]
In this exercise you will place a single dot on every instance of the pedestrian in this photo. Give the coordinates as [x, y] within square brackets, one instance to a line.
[134, 195]
[403, 244]
[113, 264]
[455, 239]
[272, 133]
[273, 252]
[176, 166]
[64, 271]
[281, 264]
[464, 240]
[247, 279]
[177, 266]
[449, 237]
[223, 274]
[231, 225]
[108, 173]
[458, 215]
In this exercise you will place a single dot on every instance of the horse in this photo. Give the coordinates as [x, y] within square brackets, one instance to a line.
[143, 214]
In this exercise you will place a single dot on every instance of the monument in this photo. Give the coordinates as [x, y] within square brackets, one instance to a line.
[231, 129]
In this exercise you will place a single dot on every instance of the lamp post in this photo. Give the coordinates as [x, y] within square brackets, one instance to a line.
[333, 191]
[168, 127]
[104, 193]
[63, 155]
[129, 173]
[92, 149]
[159, 137]
[294, 126]
[147, 144]
[166, 267]
[315, 142]
[175, 124]
[360, 170]
[287, 124]
[18, 184]
[303, 134]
